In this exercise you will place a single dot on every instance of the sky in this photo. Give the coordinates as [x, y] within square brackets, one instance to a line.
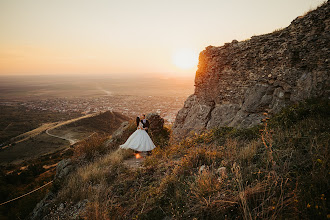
[129, 36]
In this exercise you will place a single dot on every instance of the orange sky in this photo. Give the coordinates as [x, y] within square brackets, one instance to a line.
[129, 37]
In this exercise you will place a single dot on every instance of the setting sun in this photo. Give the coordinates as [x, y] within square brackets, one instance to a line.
[185, 58]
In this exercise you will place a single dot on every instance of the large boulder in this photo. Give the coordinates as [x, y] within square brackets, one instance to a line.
[156, 123]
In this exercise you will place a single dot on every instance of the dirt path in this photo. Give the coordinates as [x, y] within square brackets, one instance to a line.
[72, 141]
[68, 138]
[46, 127]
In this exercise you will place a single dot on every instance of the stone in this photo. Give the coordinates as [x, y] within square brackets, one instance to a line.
[194, 114]
[41, 208]
[201, 169]
[222, 115]
[63, 168]
[236, 83]
[252, 99]
[156, 123]
[222, 171]
[61, 207]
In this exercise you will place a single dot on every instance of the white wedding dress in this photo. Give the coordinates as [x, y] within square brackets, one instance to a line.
[139, 140]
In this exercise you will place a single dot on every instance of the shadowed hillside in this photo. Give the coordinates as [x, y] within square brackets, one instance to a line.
[16, 120]
[106, 122]
[53, 137]
[31, 161]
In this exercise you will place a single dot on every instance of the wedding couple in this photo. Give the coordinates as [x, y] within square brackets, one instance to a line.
[140, 140]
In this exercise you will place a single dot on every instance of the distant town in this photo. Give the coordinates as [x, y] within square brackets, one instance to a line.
[129, 105]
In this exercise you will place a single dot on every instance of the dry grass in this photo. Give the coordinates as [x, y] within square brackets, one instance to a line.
[312, 9]
[277, 173]
[93, 174]
[249, 151]
[90, 148]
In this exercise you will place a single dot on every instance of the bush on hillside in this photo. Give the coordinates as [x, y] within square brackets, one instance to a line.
[90, 148]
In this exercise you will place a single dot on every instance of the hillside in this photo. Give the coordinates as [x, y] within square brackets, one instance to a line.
[106, 122]
[272, 163]
[52, 137]
[239, 81]
[277, 170]
[31, 158]
[17, 119]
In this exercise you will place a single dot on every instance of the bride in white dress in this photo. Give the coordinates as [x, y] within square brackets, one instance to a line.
[139, 140]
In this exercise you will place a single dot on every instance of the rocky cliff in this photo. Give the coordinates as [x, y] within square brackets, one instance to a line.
[237, 82]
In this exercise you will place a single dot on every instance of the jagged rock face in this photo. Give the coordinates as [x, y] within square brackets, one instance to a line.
[239, 81]
[64, 167]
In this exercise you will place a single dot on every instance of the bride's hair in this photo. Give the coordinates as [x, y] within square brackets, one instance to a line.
[137, 121]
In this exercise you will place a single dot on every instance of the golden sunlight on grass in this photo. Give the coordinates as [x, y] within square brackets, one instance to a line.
[185, 58]
[277, 170]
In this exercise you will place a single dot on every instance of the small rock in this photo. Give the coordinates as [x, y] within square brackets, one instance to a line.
[202, 168]
[222, 171]
[156, 123]
[61, 207]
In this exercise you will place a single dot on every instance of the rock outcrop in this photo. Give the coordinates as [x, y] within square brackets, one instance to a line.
[156, 123]
[237, 82]
[63, 169]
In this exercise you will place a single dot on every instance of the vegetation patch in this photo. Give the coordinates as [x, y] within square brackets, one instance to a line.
[275, 171]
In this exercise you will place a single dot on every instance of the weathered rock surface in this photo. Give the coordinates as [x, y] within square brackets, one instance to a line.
[63, 169]
[237, 82]
[120, 135]
[156, 123]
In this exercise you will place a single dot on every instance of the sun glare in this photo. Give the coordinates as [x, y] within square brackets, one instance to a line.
[185, 58]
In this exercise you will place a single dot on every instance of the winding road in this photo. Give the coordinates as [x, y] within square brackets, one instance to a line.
[71, 140]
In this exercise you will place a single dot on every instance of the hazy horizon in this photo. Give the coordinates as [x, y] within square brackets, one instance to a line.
[129, 37]
[28, 87]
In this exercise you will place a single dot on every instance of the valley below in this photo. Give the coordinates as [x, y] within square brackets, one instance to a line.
[42, 119]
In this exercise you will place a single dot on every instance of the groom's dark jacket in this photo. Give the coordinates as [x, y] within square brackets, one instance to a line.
[145, 125]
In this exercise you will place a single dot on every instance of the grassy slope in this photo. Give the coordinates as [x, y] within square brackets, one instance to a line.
[274, 171]
[106, 122]
[14, 181]
[16, 120]
[35, 143]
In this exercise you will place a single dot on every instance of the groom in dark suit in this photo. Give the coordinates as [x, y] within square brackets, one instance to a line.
[145, 123]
